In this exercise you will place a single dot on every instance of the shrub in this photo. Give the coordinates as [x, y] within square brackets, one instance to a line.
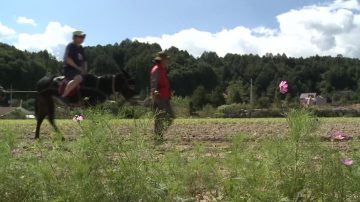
[181, 106]
[233, 110]
[199, 98]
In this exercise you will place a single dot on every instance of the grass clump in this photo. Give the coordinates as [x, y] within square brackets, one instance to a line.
[296, 166]
[106, 164]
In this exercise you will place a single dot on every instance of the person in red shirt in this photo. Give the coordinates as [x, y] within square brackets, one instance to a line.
[161, 94]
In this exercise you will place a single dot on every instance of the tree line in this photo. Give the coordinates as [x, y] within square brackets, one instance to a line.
[208, 79]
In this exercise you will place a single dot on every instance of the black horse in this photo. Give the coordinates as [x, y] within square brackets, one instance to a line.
[95, 89]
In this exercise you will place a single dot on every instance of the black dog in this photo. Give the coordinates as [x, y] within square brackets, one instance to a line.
[95, 89]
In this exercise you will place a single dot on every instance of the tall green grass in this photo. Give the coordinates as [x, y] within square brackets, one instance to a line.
[293, 167]
[104, 164]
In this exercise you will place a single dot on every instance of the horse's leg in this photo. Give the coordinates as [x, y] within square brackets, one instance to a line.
[39, 120]
[51, 113]
[40, 113]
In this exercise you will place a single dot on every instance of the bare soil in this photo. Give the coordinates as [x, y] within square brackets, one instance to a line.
[213, 135]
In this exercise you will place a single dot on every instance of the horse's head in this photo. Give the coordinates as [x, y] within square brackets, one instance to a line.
[126, 84]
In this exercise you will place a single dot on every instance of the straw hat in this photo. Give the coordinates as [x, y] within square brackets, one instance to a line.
[79, 33]
[161, 56]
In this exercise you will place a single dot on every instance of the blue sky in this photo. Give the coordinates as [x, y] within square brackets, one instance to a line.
[111, 21]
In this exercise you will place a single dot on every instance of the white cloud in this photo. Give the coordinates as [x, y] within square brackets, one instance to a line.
[347, 4]
[53, 39]
[6, 32]
[25, 20]
[329, 29]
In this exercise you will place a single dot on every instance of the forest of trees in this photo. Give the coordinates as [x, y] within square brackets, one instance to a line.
[208, 79]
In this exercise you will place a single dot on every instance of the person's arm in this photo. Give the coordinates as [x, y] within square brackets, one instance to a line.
[70, 61]
[154, 79]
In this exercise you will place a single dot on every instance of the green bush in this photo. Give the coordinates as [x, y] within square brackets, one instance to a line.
[181, 106]
[245, 111]
[233, 110]
[199, 98]
[208, 111]
[29, 104]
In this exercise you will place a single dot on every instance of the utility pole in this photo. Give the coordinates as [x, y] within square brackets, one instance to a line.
[11, 95]
[251, 92]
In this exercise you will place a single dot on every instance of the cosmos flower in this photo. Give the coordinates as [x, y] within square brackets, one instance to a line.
[338, 135]
[283, 86]
[78, 118]
[347, 162]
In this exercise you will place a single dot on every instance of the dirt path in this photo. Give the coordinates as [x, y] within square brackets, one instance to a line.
[213, 135]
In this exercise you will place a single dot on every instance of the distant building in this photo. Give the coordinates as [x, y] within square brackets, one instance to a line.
[310, 99]
[2, 93]
[7, 111]
[3, 97]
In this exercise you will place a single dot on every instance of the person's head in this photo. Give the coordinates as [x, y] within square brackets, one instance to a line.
[162, 57]
[78, 37]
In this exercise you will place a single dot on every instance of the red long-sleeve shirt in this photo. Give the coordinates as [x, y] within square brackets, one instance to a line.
[159, 81]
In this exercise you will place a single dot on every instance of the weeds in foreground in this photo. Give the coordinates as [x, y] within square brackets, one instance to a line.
[104, 164]
[295, 167]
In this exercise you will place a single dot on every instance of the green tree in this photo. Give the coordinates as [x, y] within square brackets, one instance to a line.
[216, 97]
[199, 98]
[236, 93]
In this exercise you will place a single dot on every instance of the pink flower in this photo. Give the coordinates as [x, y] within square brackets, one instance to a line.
[78, 118]
[347, 162]
[283, 86]
[339, 135]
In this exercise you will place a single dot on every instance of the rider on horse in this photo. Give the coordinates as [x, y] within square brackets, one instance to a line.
[74, 65]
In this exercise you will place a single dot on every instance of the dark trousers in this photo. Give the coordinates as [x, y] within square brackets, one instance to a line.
[163, 115]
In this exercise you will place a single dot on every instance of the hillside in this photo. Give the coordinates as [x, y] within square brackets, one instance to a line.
[210, 76]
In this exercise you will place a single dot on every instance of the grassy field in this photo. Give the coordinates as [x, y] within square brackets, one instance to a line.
[194, 120]
[105, 159]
